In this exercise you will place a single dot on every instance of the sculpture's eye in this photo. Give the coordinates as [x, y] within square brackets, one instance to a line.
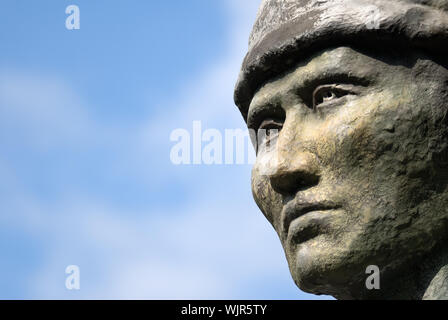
[266, 121]
[271, 126]
[268, 131]
[329, 94]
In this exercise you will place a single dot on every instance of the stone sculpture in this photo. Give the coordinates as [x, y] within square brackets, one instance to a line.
[353, 169]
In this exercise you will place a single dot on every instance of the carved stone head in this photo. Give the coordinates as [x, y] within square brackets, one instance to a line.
[353, 168]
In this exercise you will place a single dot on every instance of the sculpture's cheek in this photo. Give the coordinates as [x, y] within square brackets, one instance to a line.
[360, 146]
[379, 156]
[349, 138]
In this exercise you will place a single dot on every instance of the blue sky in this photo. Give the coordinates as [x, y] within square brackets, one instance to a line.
[86, 176]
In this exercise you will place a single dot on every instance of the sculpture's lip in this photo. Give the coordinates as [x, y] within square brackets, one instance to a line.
[295, 210]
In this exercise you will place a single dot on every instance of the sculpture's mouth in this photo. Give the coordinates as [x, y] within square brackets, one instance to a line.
[305, 218]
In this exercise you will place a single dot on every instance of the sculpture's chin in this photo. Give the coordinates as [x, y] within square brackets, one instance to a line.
[318, 266]
[304, 266]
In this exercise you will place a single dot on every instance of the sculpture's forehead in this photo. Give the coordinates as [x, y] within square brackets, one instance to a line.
[331, 60]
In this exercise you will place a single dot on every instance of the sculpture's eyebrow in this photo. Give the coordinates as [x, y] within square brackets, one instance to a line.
[261, 111]
[266, 102]
[307, 84]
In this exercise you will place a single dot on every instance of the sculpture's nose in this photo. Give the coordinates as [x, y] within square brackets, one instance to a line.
[295, 171]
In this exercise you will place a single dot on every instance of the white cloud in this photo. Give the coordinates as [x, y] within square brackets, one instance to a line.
[213, 245]
[41, 111]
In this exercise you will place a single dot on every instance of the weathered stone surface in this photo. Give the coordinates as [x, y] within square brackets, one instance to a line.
[286, 30]
[354, 170]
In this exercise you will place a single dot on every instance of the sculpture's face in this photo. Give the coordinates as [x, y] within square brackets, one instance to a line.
[356, 175]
